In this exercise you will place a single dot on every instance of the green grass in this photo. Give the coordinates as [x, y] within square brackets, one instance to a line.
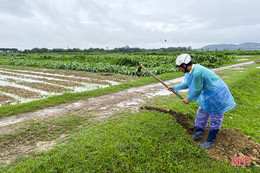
[245, 116]
[142, 142]
[40, 130]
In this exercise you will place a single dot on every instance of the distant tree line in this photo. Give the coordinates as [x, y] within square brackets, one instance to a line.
[125, 49]
[8, 50]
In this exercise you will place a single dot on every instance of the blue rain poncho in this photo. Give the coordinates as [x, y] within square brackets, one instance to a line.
[210, 92]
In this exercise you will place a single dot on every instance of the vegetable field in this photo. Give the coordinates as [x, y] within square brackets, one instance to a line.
[58, 73]
[125, 64]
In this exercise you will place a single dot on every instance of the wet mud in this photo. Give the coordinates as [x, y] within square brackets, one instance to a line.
[229, 142]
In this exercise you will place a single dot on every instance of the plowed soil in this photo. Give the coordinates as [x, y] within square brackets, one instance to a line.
[229, 142]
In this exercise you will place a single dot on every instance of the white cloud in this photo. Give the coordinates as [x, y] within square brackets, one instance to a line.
[137, 23]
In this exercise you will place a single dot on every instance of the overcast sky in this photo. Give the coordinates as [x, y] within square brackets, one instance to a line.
[26, 24]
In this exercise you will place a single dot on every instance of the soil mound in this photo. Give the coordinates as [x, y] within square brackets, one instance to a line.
[229, 142]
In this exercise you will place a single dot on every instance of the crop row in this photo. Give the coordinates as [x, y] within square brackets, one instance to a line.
[113, 63]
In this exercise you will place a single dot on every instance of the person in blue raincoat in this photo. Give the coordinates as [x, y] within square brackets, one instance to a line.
[211, 94]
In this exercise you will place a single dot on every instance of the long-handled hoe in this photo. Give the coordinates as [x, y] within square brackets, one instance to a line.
[139, 73]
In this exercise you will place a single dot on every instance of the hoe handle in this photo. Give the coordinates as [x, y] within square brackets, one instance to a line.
[177, 94]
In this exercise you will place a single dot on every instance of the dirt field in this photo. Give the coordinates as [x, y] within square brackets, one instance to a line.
[25, 84]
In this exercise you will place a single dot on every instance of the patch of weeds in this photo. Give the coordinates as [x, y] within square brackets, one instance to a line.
[43, 131]
[257, 61]
[2, 164]
[33, 125]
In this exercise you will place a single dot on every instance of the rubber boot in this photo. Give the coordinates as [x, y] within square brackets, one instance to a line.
[198, 134]
[211, 139]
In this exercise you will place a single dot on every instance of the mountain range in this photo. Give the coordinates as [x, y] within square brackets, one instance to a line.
[243, 46]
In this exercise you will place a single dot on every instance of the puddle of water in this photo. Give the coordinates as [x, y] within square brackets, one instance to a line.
[87, 87]
[111, 82]
[54, 74]
[44, 94]
[233, 66]
[11, 120]
[29, 78]
[43, 73]
[5, 77]
[32, 76]
[133, 103]
[162, 93]
[5, 83]
[103, 108]
[17, 98]
[121, 105]
[238, 68]
[242, 59]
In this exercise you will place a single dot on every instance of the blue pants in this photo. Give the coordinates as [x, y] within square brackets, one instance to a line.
[203, 117]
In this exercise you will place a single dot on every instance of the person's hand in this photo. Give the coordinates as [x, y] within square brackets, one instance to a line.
[186, 100]
[170, 88]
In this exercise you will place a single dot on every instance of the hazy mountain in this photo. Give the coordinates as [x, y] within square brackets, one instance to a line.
[243, 46]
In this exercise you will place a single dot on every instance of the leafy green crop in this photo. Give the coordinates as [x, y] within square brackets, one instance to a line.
[126, 64]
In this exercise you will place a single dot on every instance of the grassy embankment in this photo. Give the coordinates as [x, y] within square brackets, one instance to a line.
[143, 142]
[149, 141]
